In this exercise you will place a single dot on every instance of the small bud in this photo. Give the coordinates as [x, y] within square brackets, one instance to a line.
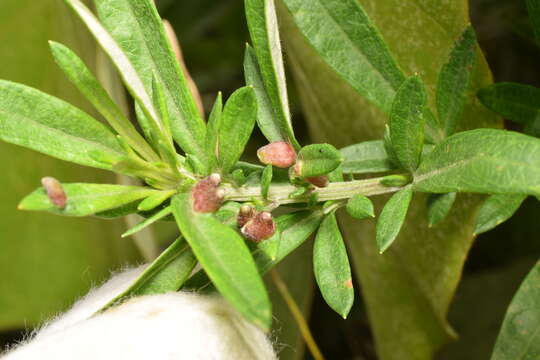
[318, 181]
[55, 192]
[245, 214]
[260, 227]
[207, 197]
[280, 154]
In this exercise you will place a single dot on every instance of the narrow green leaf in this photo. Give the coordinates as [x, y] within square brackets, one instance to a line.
[483, 161]
[212, 134]
[331, 267]
[438, 207]
[360, 207]
[51, 126]
[155, 200]
[147, 222]
[344, 36]
[226, 259]
[120, 60]
[79, 74]
[137, 28]
[317, 159]
[165, 274]
[454, 80]
[392, 217]
[407, 122]
[366, 157]
[496, 210]
[86, 199]
[236, 125]
[516, 102]
[519, 338]
[266, 179]
[268, 67]
[533, 7]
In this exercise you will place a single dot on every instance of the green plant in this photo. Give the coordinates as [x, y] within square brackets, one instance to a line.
[208, 191]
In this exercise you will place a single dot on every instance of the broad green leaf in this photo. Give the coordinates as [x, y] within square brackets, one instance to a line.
[317, 159]
[165, 274]
[236, 125]
[360, 207]
[226, 259]
[121, 61]
[49, 125]
[454, 80]
[407, 291]
[484, 161]
[147, 222]
[519, 338]
[79, 74]
[407, 123]
[268, 66]
[496, 210]
[392, 217]
[86, 199]
[212, 133]
[516, 102]
[438, 207]
[344, 36]
[365, 157]
[136, 27]
[266, 179]
[331, 267]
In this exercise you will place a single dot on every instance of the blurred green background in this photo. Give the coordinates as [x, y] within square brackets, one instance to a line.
[46, 261]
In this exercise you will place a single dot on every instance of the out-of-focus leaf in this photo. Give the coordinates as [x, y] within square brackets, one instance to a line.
[268, 66]
[137, 28]
[496, 210]
[226, 259]
[438, 207]
[392, 217]
[86, 199]
[49, 125]
[407, 122]
[236, 125]
[454, 80]
[483, 160]
[519, 338]
[165, 274]
[331, 267]
[365, 157]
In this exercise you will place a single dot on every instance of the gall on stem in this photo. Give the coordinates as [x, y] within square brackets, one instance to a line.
[280, 154]
[260, 227]
[207, 196]
[55, 192]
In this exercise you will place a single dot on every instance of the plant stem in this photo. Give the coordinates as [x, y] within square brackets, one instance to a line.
[297, 314]
[334, 191]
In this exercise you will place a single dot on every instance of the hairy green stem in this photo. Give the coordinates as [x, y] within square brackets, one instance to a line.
[334, 191]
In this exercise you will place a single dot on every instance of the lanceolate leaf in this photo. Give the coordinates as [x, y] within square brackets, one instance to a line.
[165, 274]
[86, 199]
[88, 85]
[365, 157]
[519, 338]
[49, 125]
[266, 179]
[263, 28]
[484, 161]
[226, 260]
[392, 217]
[407, 122]
[212, 133]
[496, 210]
[454, 80]
[236, 125]
[346, 39]
[438, 207]
[147, 222]
[331, 267]
[137, 28]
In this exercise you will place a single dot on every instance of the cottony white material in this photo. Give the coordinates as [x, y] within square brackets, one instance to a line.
[170, 326]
